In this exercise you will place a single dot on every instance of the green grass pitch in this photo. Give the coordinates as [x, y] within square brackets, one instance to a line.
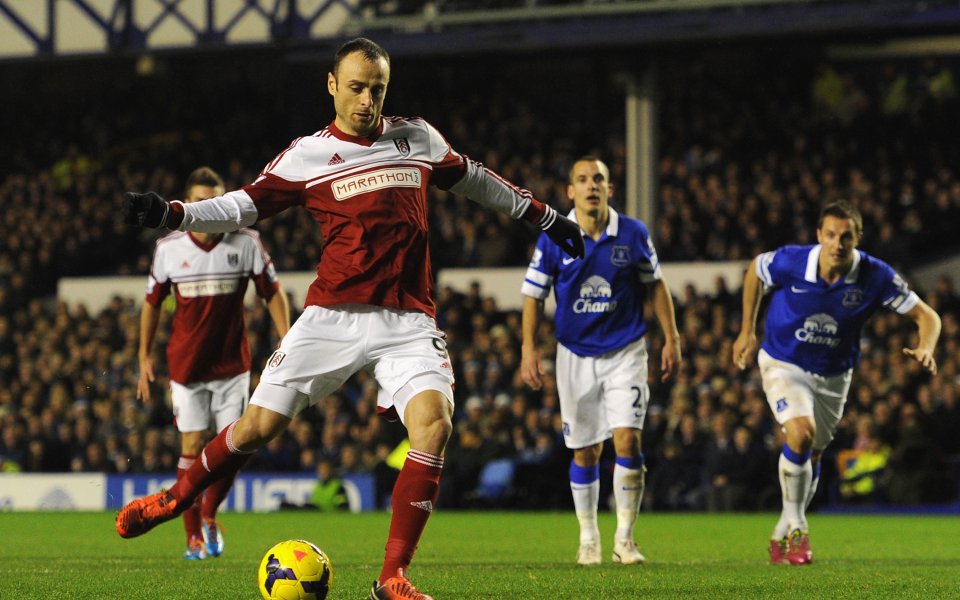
[466, 555]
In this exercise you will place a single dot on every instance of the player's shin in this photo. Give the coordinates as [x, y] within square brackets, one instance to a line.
[585, 486]
[796, 474]
[218, 460]
[813, 485]
[628, 484]
[191, 516]
[414, 496]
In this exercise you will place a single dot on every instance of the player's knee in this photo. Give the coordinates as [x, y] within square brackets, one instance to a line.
[800, 434]
[588, 456]
[256, 427]
[626, 441]
[429, 422]
[192, 443]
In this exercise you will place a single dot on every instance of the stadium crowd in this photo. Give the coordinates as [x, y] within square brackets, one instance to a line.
[740, 173]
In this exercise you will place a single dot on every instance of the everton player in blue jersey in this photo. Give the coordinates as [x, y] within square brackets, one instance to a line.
[601, 362]
[821, 296]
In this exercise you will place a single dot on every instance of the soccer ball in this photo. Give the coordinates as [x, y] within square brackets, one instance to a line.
[295, 570]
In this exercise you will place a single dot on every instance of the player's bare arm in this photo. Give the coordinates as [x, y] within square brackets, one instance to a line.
[663, 309]
[745, 346]
[279, 308]
[531, 369]
[149, 317]
[928, 325]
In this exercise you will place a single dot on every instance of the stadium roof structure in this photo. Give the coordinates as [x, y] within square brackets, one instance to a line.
[61, 28]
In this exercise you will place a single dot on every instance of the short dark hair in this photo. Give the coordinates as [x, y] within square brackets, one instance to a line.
[585, 158]
[203, 176]
[842, 209]
[371, 50]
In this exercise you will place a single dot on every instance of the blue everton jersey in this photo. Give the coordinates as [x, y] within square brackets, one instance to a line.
[817, 326]
[599, 297]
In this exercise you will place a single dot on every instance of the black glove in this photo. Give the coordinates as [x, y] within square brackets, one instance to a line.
[145, 210]
[564, 232]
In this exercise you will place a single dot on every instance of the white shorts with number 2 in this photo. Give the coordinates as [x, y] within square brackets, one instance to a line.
[601, 393]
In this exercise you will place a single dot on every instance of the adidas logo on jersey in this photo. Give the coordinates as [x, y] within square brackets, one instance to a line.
[336, 160]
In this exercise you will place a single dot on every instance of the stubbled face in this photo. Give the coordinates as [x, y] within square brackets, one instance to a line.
[590, 188]
[202, 192]
[839, 239]
[359, 88]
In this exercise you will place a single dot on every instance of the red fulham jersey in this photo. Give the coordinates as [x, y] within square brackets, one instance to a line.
[208, 338]
[369, 196]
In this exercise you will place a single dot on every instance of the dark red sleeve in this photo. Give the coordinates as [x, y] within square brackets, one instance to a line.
[449, 171]
[272, 194]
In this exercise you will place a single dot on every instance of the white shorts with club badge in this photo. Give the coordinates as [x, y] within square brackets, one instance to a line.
[792, 392]
[601, 393]
[404, 350]
[206, 404]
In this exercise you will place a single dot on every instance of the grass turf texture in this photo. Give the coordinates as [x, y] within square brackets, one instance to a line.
[513, 556]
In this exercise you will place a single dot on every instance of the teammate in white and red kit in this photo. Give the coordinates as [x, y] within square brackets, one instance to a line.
[364, 179]
[208, 357]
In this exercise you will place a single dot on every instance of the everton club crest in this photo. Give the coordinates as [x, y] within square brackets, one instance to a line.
[620, 256]
[403, 146]
[852, 297]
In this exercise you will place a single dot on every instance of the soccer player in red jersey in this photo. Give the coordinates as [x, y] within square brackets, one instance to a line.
[364, 179]
[208, 357]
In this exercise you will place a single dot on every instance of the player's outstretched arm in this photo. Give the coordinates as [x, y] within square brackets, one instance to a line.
[489, 189]
[220, 214]
[745, 346]
[148, 210]
[928, 326]
[562, 231]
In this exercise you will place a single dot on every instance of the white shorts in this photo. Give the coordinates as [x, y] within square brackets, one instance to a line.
[601, 393]
[404, 350]
[222, 399]
[792, 392]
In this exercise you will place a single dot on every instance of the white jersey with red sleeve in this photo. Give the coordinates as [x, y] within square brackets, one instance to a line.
[369, 196]
[208, 338]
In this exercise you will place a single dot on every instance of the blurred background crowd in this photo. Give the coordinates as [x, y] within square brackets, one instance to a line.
[748, 152]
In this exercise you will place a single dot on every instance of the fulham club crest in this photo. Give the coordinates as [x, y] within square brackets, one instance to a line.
[403, 146]
[276, 359]
[233, 259]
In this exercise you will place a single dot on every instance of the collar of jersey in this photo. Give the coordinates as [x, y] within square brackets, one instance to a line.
[203, 246]
[354, 139]
[813, 259]
[613, 222]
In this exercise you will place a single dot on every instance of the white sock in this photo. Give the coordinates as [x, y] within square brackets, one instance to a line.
[795, 484]
[813, 486]
[585, 486]
[628, 487]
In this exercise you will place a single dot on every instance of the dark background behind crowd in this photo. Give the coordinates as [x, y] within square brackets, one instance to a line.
[748, 151]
